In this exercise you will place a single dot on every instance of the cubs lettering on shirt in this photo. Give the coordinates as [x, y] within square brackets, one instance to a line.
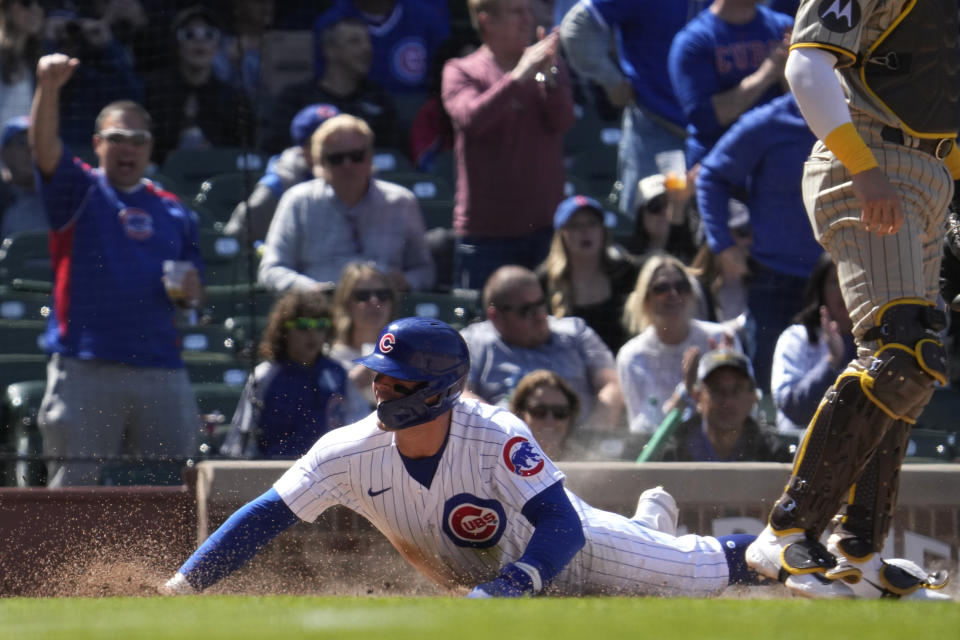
[107, 251]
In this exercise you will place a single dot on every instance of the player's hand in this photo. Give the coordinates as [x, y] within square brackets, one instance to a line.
[882, 212]
[55, 69]
[176, 586]
[512, 582]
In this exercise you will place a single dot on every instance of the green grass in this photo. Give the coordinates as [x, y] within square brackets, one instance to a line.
[290, 618]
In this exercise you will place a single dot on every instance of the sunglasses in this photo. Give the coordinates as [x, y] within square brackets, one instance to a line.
[681, 287]
[356, 156]
[558, 412]
[136, 137]
[526, 310]
[365, 295]
[197, 33]
[308, 324]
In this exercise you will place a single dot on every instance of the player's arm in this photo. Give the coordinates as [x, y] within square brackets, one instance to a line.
[810, 73]
[237, 540]
[53, 71]
[557, 537]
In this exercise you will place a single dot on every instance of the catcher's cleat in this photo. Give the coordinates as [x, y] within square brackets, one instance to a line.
[657, 509]
[777, 555]
[816, 585]
[874, 577]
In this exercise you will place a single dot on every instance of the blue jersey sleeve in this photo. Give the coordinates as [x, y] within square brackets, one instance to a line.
[62, 193]
[558, 532]
[238, 539]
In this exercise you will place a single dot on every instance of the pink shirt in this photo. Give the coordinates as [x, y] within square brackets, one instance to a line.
[508, 144]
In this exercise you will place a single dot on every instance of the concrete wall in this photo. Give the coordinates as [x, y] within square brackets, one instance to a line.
[714, 499]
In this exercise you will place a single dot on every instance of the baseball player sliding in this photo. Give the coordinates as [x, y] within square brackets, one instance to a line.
[878, 82]
[463, 492]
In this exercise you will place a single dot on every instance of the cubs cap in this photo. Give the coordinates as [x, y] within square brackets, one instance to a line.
[719, 358]
[649, 188]
[308, 120]
[12, 127]
[574, 203]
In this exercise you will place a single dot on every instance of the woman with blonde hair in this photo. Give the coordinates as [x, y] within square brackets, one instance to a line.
[21, 24]
[583, 275]
[657, 367]
[363, 303]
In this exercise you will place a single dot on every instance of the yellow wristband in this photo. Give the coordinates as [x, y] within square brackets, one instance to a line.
[953, 161]
[850, 149]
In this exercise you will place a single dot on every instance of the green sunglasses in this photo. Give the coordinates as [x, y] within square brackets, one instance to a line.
[306, 324]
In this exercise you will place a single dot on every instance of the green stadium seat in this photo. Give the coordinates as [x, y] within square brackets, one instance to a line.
[25, 256]
[225, 259]
[434, 194]
[457, 308]
[140, 473]
[23, 336]
[247, 331]
[219, 195]
[932, 445]
[942, 413]
[220, 368]
[23, 305]
[190, 168]
[16, 367]
[387, 160]
[227, 301]
[597, 168]
[208, 338]
[21, 435]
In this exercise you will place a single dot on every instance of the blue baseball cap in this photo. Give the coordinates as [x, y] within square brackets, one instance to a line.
[574, 203]
[12, 127]
[308, 120]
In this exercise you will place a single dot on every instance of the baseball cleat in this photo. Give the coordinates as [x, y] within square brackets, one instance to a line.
[798, 562]
[658, 510]
[874, 577]
[763, 554]
[815, 585]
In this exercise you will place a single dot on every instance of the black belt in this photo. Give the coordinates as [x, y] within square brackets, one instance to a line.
[937, 147]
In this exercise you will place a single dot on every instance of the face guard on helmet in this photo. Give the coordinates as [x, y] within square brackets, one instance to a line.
[420, 350]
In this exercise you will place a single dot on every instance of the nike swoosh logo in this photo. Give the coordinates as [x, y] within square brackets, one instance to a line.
[374, 494]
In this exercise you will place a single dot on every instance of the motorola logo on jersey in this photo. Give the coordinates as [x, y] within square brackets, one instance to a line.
[521, 457]
[839, 16]
[387, 341]
[137, 223]
[470, 521]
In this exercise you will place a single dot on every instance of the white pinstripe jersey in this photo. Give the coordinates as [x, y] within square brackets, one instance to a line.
[468, 523]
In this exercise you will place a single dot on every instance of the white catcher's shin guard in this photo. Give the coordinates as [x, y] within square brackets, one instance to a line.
[658, 510]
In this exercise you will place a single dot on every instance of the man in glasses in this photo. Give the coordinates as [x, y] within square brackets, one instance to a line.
[722, 429]
[116, 382]
[519, 336]
[463, 492]
[345, 215]
[759, 160]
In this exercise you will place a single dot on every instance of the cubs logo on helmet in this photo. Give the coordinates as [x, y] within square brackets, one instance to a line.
[521, 457]
[470, 521]
[387, 341]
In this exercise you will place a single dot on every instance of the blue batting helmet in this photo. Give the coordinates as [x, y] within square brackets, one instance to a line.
[420, 350]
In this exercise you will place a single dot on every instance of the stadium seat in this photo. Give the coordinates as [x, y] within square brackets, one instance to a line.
[246, 331]
[597, 167]
[21, 435]
[225, 259]
[23, 305]
[931, 445]
[17, 367]
[942, 413]
[142, 472]
[386, 160]
[217, 368]
[209, 338]
[457, 308]
[589, 130]
[434, 194]
[219, 195]
[23, 336]
[191, 168]
[25, 256]
[226, 301]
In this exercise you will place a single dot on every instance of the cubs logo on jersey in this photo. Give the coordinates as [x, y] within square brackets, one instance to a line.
[409, 60]
[521, 457]
[137, 223]
[470, 521]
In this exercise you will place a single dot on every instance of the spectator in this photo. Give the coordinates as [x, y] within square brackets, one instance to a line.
[811, 353]
[116, 382]
[760, 159]
[550, 407]
[20, 26]
[195, 109]
[583, 274]
[237, 62]
[643, 29]
[726, 60]
[20, 206]
[106, 73]
[296, 394]
[405, 35]
[345, 215]
[722, 429]
[142, 32]
[345, 83]
[518, 337]
[431, 132]
[510, 103]
[251, 218]
[363, 304]
[660, 221]
[652, 364]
